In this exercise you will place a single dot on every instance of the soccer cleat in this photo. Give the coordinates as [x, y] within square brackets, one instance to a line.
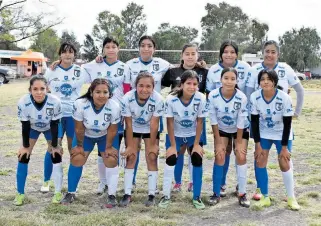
[125, 200]
[45, 187]
[19, 199]
[102, 188]
[214, 199]
[198, 204]
[293, 204]
[264, 202]
[190, 187]
[223, 191]
[56, 199]
[257, 195]
[177, 188]
[111, 201]
[164, 202]
[68, 199]
[150, 201]
[243, 201]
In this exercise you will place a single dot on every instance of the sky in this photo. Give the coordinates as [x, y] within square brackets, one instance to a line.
[280, 15]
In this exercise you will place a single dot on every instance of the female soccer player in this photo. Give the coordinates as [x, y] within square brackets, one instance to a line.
[172, 79]
[117, 74]
[39, 112]
[271, 119]
[287, 78]
[96, 117]
[64, 82]
[227, 58]
[142, 108]
[186, 109]
[228, 115]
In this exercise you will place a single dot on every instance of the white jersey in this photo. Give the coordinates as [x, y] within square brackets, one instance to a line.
[271, 113]
[142, 114]
[96, 122]
[66, 84]
[214, 75]
[157, 67]
[229, 115]
[117, 74]
[185, 116]
[39, 118]
[286, 74]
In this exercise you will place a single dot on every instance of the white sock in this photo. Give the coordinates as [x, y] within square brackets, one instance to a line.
[57, 175]
[167, 180]
[128, 182]
[288, 182]
[112, 175]
[152, 181]
[241, 178]
[102, 170]
[190, 169]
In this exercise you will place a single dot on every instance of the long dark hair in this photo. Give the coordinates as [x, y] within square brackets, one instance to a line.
[188, 74]
[188, 46]
[225, 44]
[37, 78]
[144, 74]
[230, 69]
[92, 87]
[67, 47]
[150, 38]
[272, 75]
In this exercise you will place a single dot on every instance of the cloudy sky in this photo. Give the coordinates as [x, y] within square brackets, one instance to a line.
[280, 15]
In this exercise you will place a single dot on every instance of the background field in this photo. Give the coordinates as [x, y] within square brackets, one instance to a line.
[86, 210]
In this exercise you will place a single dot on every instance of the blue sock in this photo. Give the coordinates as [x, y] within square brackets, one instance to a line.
[22, 172]
[47, 167]
[262, 180]
[255, 173]
[74, 174]
[136, 168]
[197, 181]
[217, 178]
[225, 169]
[178, 170]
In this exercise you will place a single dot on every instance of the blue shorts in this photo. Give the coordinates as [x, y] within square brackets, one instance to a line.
[266, 144]
[180, 141]
[66, 125]
[203, 138]
[121, 126]
[34, 134]
[89, 143]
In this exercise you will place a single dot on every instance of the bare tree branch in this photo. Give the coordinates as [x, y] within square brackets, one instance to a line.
[11, 4]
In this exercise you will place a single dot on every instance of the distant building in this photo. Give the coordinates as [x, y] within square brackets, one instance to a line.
[252, 59]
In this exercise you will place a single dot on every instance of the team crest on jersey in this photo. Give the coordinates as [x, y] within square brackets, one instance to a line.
[278, 106]
[196, 106]
[240, 75]
[155, 67]
[66, 77]
[76, 73]
[120, 71]
[107, 117]
[200, 78]
[96, 122]
[49, 111]
[237, 105]
[281, 73]
[151, 108]
[108, 73]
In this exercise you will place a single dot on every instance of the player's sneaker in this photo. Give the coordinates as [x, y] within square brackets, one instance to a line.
[223, 191]
[257, 195]
[102, 188]
[243, 201]
[111, 201]
[150, 201]
[56, 199]
[164, 202]
[293, 204]
[190, 187]
[214, 199]
[264, 202]
[177, 188]
[125, 200]
[198, 204]
[19, 199]
[45, 187]
[68, 199]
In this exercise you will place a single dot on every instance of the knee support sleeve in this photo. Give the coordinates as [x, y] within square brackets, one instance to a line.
[196, 159]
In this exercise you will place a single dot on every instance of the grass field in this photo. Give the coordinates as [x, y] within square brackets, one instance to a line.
[86, 210]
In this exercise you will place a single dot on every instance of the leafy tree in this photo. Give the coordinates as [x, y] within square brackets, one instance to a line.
[90, 50]
[258, 35]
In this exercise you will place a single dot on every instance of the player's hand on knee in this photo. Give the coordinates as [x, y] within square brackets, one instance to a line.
[22, 151]
[258, 152]
[198, 149]
[285, 154]
[171, 151]
[77, 150]
[128, 151]
[220, 151]
[111, 152]
[154, 149]
[57, 150]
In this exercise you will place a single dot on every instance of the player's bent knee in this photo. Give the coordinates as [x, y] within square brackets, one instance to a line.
[171, 160]
[78, 160]
[24, 159]
[131, 159]
[56, 159]
[152, 156]
[111, 161]
[197, 160]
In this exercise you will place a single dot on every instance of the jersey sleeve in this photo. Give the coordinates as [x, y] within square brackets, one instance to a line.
[253, 105]
[252, 78]
[159, 109]
[22, 116]
[203, 109]
[288, 109]
[115, 117]
[57, 114]
[47, 74]
[168, 108]
[125, 110]
[292, 77]
[126, 74]
[212, 111]
[242, 115]
[85, 73]
[78, 111]
[210, 85]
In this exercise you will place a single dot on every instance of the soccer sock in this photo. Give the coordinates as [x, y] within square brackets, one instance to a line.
[102, 171]
[288, 182]
[197, 181]
[262, 180]
[112, 175]
[74, 175]
[225, 169]
[57, 176]
[241, 178]
[167, 180]
[152, 181]
[178, 170]
[128, 181]
[217, 178]
[256, 175]
[22, 172]
[190, 169]
[47, 167]
[136, 168]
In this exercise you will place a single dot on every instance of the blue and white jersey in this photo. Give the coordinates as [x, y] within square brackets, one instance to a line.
[39, 118]
[271, 113]
[116, 73]
[286, 74]
[142, 113]
[214, 75]
[229, 115]
[157, 67]
[185, 115]
[66, 84]
[96, 122]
